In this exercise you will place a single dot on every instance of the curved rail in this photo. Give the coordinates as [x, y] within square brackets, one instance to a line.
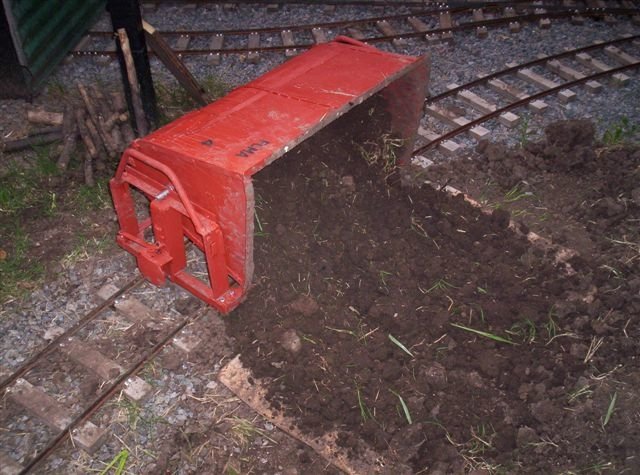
[530, 98]
[527, 17]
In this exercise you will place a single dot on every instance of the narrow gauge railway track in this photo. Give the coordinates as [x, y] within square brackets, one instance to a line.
[437, 24]
[27, 392]
[520, 85]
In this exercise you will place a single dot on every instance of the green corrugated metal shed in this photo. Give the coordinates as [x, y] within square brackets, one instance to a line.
[42, 32]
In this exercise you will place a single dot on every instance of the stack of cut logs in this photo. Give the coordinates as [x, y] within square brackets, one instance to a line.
[99, 121]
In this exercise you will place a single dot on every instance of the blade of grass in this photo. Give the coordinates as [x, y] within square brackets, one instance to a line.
[400, 345]
[610, 409]
[342, 330]
[120, 460]
[485, 334]
[363, 408]
[405, 409]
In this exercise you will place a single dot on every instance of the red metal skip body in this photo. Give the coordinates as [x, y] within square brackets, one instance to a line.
[196, 172]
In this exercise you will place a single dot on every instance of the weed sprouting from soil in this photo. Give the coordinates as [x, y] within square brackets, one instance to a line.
[418, 227]
[365, 413]
[383, 274]
[620, 132]
[482, 437]
[516, 193]
[583, 391]
[440, 284]
[482, 290]
[131, 410]
[524, 131]
[551, 326]
[525, 330]
[117, 464]
[361, 334]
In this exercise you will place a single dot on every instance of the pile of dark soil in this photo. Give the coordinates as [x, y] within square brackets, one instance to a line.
[361, 291]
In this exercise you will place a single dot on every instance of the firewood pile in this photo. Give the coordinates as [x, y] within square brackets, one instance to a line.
[95, 127]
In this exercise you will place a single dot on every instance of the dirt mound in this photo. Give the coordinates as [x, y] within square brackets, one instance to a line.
[428, 328]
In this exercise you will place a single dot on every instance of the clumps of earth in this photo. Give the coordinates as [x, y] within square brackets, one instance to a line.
[435, 333]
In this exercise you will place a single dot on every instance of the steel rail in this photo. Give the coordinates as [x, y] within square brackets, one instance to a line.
[345, 23]
[100, 400]
[54, 344]
[492, 23]
[535, 62]
[522, 102]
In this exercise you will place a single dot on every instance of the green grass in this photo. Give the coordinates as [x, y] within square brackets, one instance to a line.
[244, 430]
[551, 326]
[17, 272]
[610, 410]
[598, 468]
[92, 198]
[132, 411]
[524, 131]
[516, 194]
[26, 195]
[403, 405]
[620, 132]
[525, 330]
[583, 391]
[86, 247]
[117, 464]
[484, 334]
[440, 284]
[22, 187]
[365, 414]
[383, 274]
[174, 100]
[400, 345]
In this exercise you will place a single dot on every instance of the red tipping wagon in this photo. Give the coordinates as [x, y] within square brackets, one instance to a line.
[197, 171]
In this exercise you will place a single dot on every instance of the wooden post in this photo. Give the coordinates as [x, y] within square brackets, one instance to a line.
[138, 111]
[69, 133]
[21, 144]
[84, 134]
[126, 14]
[173, 63]
[98, 122]
[45, 117]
